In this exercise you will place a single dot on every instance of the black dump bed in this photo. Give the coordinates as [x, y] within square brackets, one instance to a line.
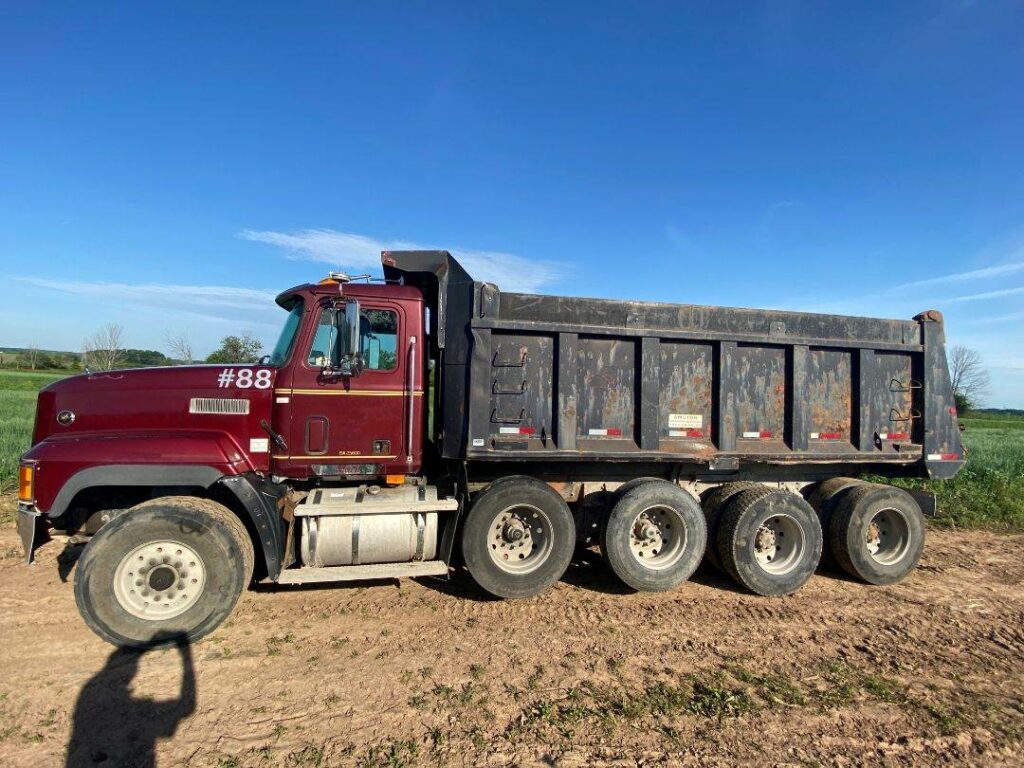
[527, 378]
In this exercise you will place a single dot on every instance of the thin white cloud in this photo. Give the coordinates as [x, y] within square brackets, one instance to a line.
[207, 303]
[999, 270]
[195, 295]
[996, 319]
[982, 296]
[361, 253]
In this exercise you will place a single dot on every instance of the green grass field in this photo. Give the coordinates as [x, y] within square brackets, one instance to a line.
[988, 492]
[17, 412]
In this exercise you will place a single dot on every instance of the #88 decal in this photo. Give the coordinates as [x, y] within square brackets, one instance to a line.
[244, 378]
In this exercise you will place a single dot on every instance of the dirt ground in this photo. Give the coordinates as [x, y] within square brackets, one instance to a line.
[927, 672]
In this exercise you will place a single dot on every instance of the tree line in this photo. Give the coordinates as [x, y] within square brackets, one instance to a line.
[105, 350]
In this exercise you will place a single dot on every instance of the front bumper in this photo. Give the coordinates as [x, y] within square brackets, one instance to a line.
[29, 524]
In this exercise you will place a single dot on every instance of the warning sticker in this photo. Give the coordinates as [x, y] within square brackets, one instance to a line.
[685, 420]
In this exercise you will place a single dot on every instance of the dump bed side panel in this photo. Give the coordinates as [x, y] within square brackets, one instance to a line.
[642, 382]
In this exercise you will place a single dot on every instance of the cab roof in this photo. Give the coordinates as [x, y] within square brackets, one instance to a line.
[330, 288]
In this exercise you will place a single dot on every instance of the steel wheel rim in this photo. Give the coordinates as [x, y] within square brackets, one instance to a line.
[159, 580]
[657, 537]
[519, 538]
[779, 545]
[887, 537]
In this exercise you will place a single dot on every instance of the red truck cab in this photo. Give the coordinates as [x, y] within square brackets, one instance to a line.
[362, 422]
[296, 415]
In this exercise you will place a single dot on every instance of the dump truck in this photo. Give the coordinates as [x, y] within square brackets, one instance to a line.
[427, 421]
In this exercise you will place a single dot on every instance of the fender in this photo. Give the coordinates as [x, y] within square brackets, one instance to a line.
[260, 497]
[132, 475]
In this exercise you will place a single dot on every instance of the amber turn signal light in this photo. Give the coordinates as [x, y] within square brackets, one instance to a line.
[394, 479]
[26, 480]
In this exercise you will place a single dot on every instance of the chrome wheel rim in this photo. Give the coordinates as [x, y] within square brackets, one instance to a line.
[519, 538]
[657, 537]
[159, 580]
[779, 545]
[887, 537]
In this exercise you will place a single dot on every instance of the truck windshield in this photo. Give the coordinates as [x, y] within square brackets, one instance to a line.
[285, 342]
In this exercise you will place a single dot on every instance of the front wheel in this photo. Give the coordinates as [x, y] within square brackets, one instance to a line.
[168, 568]
[518, 538]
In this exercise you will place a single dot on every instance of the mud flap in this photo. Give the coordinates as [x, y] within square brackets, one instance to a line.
[28, 520]
[926, 501]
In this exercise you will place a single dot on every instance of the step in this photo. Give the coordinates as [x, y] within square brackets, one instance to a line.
[363, 572]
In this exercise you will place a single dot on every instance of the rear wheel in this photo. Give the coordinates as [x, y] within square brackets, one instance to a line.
[877, 534]
[769, 541]
[824, 497]
[713, 503]
[168, 568]
[613, 499]
[518, 537]
[655, 536]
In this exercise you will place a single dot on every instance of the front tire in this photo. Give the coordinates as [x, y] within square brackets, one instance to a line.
[167, 568]
[655, 536]
[518, 538]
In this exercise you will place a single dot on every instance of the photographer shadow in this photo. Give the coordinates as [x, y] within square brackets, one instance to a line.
[112, 727]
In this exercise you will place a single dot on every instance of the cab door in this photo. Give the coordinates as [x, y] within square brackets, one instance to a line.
[356, 424]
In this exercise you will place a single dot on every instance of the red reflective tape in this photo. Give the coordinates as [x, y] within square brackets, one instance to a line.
[899, 436]
[527, 430]
[950, 456]
[830, 435]
[614, 432]
[765, 433]
[695, 433]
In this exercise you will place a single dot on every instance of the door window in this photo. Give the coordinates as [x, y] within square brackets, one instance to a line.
[378, 331]
[379, 339]
[329, 342]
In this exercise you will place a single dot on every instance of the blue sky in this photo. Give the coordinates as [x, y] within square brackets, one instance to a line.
[170, 166]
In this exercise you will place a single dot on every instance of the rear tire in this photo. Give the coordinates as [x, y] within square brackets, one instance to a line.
[713, 502]
[168, 568]
[769, 541]
[518, 537]
[877, 534]
[613, 499]
[655, 536]
[823, 498]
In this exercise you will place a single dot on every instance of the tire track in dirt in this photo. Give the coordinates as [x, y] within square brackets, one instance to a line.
[340, 670]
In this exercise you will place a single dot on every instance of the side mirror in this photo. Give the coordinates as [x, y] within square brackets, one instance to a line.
[352, 320]
[347, 355]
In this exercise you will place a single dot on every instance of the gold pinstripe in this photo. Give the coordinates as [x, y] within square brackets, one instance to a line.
[349, 393]
[326, 456]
